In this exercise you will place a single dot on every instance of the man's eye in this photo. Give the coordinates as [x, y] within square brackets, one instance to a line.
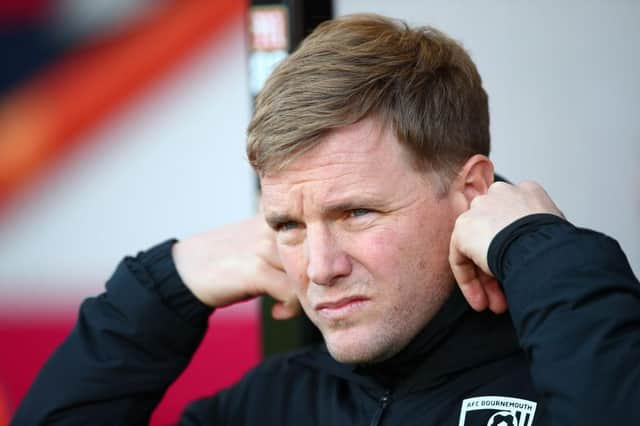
[286, 226]
[359, 212]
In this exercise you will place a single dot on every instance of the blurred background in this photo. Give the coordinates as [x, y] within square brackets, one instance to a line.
[122, 123]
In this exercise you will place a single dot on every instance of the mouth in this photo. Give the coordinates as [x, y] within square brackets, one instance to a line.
[341, 308]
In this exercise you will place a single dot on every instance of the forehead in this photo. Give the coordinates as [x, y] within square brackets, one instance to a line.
[363, 159]
[364, 141]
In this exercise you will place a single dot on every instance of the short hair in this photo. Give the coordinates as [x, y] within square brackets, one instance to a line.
[418, 80]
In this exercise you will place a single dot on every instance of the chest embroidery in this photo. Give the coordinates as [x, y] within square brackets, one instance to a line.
[497, 411]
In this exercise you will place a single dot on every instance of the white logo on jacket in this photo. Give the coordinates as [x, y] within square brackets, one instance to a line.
[497, 411]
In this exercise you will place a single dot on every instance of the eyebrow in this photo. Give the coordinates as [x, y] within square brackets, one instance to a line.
[342, 206]
[350, 203]
[275, 219]
[331, 209]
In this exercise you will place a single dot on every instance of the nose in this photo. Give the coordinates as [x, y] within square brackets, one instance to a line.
[326, 260]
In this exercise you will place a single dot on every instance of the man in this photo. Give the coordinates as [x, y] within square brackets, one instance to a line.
[371, 144]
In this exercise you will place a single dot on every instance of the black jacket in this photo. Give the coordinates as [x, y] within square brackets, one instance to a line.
[568, 354]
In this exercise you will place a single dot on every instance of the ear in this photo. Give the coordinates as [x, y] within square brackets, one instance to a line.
[474, 178]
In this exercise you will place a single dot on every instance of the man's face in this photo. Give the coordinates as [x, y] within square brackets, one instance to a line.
[364, 237]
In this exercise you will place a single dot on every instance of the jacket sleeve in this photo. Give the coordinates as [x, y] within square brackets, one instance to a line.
[575, 304]
[128, 345]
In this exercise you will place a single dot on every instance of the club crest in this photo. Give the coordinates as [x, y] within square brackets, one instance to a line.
[497, 411]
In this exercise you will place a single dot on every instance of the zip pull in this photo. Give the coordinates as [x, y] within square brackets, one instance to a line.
[384, 401]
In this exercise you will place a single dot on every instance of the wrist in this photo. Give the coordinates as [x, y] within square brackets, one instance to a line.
[156, 270]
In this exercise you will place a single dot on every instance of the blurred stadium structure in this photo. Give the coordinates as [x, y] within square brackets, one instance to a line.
[90, 73]
[109, 140]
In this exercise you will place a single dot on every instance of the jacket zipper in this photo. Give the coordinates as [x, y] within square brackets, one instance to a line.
[385, 400]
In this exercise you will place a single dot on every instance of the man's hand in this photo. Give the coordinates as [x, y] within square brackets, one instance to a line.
[475, 229]
[235, 263]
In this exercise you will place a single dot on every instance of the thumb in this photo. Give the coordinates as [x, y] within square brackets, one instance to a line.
[286, 310]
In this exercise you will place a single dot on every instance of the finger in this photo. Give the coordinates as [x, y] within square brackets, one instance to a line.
[286, 310]
[496, 299]
[274, 282]
[270, 255]
[277, 284]
[465, 273]
[474, 293]
[461, 266]
[267, 248]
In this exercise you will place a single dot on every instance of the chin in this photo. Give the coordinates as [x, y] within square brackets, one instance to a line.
[348, 348]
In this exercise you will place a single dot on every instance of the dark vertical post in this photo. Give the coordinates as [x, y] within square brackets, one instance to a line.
[275, 30]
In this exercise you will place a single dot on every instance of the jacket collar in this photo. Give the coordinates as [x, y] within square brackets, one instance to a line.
[392, 371]
[456, 339]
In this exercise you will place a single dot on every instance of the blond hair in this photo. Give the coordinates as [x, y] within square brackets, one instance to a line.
[417, 80]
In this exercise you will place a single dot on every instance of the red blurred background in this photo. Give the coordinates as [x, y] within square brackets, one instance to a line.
[85, 99]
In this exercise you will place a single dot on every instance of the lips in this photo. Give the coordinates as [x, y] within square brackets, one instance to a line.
[341, 307]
